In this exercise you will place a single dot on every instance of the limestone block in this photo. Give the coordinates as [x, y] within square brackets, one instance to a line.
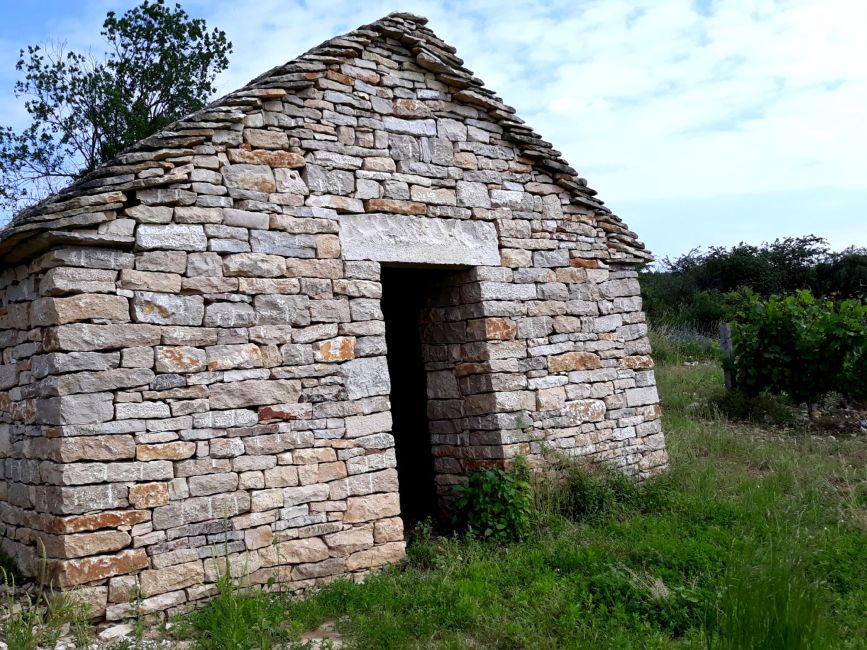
[472, 195]
[229, 357]
[264, 139]
[573, 361]
[172, 237]
[366, 377]
[254, 393]
[59, 311]
[395, 238]
[165, 451]
[282, 243]
[442, 196]
[154, 582]
[279, 309]
[642, 396]
[150, 281]
[372, 507]
[150, 213]
[96, 382]
[162, 261]
[196, 214]
[329, 181]
[70, 573]
[410, 127]
[293, 496]
[88, 257]
[365, 425]
[249, 177]
[76, 409]
[341, 348]
[57, 362]
[276, 159]
[65, 280]
[180, 359]
[389, 553]
[230, 314]
[149, 495]
[253, 265]
[167, 309]
[212, 483]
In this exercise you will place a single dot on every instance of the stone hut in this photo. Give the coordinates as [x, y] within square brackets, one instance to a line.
[282, 328]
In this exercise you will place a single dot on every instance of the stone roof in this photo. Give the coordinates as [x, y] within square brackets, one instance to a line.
[96, 197]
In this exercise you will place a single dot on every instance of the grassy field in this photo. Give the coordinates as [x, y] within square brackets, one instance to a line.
[754, 539]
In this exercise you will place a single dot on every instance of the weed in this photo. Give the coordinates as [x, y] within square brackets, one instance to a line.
[496, 503]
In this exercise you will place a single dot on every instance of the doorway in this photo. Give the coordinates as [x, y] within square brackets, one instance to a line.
[405, 301]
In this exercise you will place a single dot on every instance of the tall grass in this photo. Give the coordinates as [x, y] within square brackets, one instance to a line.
[770, 603]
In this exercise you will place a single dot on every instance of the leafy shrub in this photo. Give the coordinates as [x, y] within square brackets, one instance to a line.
[496, 503]
[702, 288]
[800, 347]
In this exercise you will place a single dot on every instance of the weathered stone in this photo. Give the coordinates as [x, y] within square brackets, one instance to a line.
[87, 337]
[180, 359]
[179, 576]
[366, 377]
[574, 361]
[149, 495]
[65, 280]
[249, 177]
[270, 158]
[69, 573]
[253, 393]
[388, 238]
[371, 507]
[59, 311]
[254, 265]
[171, 237]
[76, 409]
[167, 309]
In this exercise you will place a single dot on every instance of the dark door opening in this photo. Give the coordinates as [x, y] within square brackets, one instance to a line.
[404, 292]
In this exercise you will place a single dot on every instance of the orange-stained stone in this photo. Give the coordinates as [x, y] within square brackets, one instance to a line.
[285, 412]
[339, 77]
[265, 157]
[637, 361]
[395, 206]
[573, 361]
[108, 519]
[492, 329]
[69, 573]
[341, 348]
[583, 263]
[165, 451]
[149, 495]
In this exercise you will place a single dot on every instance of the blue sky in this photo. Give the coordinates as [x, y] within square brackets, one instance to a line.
[699, 122]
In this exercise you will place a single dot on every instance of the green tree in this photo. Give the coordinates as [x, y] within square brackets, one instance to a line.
[159, 66]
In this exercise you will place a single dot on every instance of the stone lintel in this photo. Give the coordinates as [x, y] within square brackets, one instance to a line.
[418, 240]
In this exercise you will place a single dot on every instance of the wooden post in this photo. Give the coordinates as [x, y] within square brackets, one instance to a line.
[725, 339]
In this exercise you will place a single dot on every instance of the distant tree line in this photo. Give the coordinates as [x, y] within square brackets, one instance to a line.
[702, 288]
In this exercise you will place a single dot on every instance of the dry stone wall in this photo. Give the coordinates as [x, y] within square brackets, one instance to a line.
[194, 367]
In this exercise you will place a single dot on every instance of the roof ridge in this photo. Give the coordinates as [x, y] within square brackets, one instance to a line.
[430, 53]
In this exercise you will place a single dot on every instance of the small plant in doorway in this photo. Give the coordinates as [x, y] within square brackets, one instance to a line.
[496, 503]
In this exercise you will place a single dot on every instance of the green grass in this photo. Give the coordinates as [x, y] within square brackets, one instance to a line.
[751, 540]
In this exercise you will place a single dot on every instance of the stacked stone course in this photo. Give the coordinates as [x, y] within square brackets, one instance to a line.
[193, 350]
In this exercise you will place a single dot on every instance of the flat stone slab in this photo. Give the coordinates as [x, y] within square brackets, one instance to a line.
[418, 240]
